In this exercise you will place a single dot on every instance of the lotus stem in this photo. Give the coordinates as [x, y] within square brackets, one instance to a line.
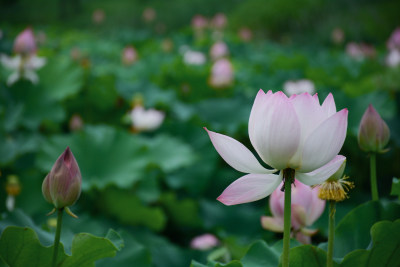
[57, 237]
[374, 186]
[288, 177]
[331, 234]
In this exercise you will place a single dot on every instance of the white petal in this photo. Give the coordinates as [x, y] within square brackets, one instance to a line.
[329, 106]
[325, 142]
[319, 175]
[277, 131]
[236, 154]
[250, 187]
[273, 224]
[13, 78]
[31, 76]
[256, 115]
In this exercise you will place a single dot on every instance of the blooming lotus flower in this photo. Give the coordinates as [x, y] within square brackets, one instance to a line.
[219, 21]
[287, 133]
[146, 120]
[194, 58]
[204, 242]
[221, 73]
[373, 133]
[298, 87]
[306, 209]
[62, 186]
[129, 55]
[219, 50]
[22, 67]
[394, 40]
[393, 58]
[25, 42]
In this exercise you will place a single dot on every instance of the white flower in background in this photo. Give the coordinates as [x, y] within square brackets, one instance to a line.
[219, 50]
[204, 242]
[393, 58]
[194, 58]
[298, 87]
[221, 73]
[146, 120]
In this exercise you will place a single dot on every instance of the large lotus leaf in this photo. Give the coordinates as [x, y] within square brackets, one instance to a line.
[20, 246]
[61, 78]
[234, 263]
[16, 144]
[385, 249]
[109, 156]
[260, 254]
[307, 256]
[353, 230]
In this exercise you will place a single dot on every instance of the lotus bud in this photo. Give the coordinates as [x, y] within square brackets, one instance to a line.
[204, 242]
[373, 134]
[62, 186]
[25, 42]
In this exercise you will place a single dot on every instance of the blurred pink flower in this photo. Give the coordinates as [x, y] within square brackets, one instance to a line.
[298, 87]
[149, 14]
[393, 58]
[25, 43]
[204, 242]
[146, 120]
[199, 22]
[360, 51]
[245, 34]
[394, 40]
[306, 209]
[219, 21]
[76, 122]
[219, 50]
[295, 132]
[337, 36]
[129, 55]
[221, 73]
[98, 16]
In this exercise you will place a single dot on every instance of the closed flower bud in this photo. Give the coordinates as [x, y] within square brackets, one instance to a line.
[373, 134]
[25, 42]
[62, 186]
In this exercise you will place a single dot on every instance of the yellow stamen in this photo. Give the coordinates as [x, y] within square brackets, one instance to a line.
[335, 190]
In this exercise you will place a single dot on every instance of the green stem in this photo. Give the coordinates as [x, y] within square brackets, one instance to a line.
[288, 177]
[374, 186]
[331, 236]
[57, 237]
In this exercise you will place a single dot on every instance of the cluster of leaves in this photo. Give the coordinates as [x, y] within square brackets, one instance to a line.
[158, 189]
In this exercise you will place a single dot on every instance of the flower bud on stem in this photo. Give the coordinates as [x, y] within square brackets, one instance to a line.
[288, 179]
[57, 237]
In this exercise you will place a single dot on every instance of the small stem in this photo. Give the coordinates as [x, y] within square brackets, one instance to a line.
[288, 178]
[57, 237]
[374, 186]
[331, 235]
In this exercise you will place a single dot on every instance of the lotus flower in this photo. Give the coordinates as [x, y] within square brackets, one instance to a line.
[306, 209]
[296, 133]
[25, 42]
[204, 242]
[194, 58]
[393, 58]
[146, 120]
[219, 50]
[129, 55]
[219, 21]
[199, 22]
[221, 73]
[62, 186]
[373, 133]
[394, 40]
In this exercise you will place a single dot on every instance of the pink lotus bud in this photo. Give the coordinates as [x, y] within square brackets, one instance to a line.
[204, 242]
[373, 134]
[221, 73]
[25, 42]
[219, 21]
[199, 22]
[62, 186]
[129, 55]
[245, 34]
[75, 123]
[149, 14]
[394, 40]
[219, 50]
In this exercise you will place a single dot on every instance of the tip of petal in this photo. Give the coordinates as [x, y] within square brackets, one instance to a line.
[224, 201]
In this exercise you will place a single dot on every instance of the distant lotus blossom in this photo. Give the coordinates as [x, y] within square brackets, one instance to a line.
[337, 36]
[298, 87]
[394, 40]
[219, 21]
[219, 50]
[204, 242]
[25, 62]
[25, 43]
[146, 120]
[149, 14]
[360, 51]
[306, 209]
[245, 34]
[393, 58]
[194, 58]
[199, 22]
[167, 45]
[98, 16]
[221, 73]
[296, 133]
[129, 55]
[76, 123]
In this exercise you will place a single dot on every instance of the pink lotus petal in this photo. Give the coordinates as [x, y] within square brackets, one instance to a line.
[273, 224]
[236, 154]
[319, 175]
[248, 188]
[329, 106]
[325, 142]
